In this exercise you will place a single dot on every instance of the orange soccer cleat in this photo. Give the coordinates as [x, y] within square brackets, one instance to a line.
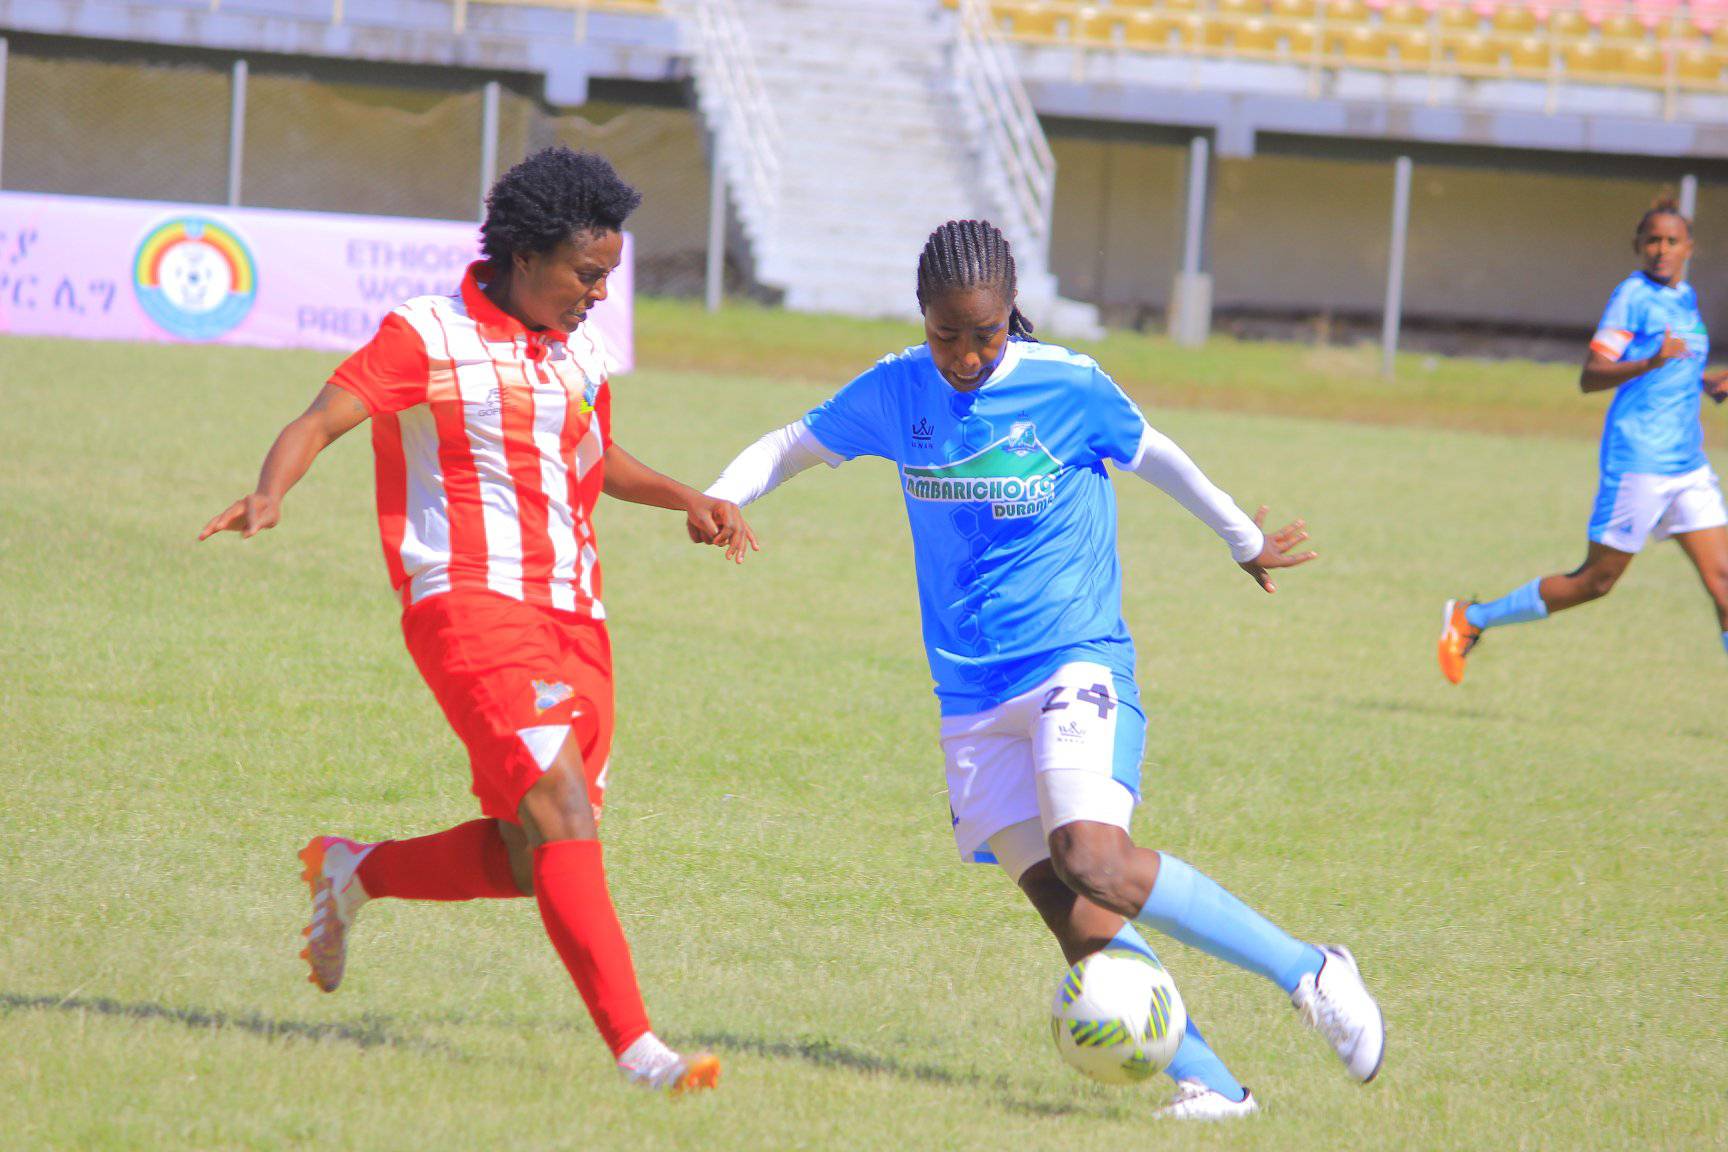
[701, 1072]
[1457, 637]
[331, 863]
[648, 1063]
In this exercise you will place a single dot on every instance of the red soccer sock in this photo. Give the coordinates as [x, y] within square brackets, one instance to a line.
[467, 862]
[576, 907]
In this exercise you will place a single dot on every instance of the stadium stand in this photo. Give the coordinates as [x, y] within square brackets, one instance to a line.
[1647, 44]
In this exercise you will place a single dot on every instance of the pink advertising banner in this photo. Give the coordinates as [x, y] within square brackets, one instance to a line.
[193, 273]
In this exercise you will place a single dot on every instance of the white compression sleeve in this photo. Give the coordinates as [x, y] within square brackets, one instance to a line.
[770, 462]
[1159, 461]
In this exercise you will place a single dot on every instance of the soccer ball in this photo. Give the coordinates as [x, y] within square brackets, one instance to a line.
[1117, 1017]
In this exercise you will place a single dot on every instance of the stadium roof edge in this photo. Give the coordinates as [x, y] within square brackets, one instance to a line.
[610, 45]
[1237, 119]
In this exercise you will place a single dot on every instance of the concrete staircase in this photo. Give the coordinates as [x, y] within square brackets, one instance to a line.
[876, 147]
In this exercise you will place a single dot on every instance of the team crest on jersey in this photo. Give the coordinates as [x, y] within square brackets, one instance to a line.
[548, 695]
[590, 392]
[1016, 476]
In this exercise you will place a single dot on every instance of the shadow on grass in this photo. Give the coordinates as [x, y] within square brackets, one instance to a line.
[362, 1034]
[826, 1054]
[1472, 711]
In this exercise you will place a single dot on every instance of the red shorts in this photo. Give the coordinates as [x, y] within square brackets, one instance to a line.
[515, 680]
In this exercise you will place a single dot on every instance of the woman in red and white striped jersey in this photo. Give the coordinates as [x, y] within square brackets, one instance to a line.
[491, 425]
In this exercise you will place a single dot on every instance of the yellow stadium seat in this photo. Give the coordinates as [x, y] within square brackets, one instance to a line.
[1242, 9]
[1402, 14]
[1622, 26]
[1256, 38]
[1097, 27]
[1028, 21]
[1644, 62]
[1189, 32]
[1361, 45]
[1295, 9]
[1700, 68]
[1346, 12]
[1529, 54]
[1473, 54]
[1178, 7]
[1413, 48]
[1514, 20]
[1589, 59]
[1146, 31]
[1455, 17]
[1210, 32]
[1297, 44]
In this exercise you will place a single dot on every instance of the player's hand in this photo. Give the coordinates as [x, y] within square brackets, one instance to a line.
[248, 516]
[1275, 553]
[1716, 385]
[1673, 348]
[722, 524]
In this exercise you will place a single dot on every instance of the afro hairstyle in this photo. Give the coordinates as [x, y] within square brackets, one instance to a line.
[550, 197]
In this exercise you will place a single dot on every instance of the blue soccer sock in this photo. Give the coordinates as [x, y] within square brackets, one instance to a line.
[1518, 606]
[1191, 906]
[1194, 1059]
[1725, 641]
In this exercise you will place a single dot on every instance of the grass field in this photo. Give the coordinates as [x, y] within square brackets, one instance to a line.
[1530, 867]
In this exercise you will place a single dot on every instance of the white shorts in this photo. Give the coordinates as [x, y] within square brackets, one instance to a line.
[1067, 750]
[1636, 506]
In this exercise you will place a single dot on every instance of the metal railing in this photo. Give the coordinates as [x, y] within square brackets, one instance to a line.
[1012, 141]
[735, 103]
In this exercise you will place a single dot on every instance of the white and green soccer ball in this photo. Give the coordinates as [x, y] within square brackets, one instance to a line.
[1117, 1017]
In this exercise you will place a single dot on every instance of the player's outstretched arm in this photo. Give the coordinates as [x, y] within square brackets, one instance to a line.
[1161, 463]
[708, 520]
[768, 463]
[333, 412]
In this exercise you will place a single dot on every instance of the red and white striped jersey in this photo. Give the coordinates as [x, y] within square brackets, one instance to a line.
[490, 441]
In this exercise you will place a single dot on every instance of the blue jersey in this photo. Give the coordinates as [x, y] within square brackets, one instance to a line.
[1653, 424]
[1013, 516]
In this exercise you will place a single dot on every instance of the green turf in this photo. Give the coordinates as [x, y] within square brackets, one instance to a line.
[1529, 867]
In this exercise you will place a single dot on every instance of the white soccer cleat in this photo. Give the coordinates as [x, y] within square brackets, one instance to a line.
[1195, 1101]
[332, 867]
[650, 1064]
[1338, 1005]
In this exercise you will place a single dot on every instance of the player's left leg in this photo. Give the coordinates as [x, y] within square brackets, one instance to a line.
[1698, 520]
[1708, 550]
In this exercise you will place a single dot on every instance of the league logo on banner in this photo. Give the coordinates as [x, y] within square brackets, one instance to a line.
[195, 278]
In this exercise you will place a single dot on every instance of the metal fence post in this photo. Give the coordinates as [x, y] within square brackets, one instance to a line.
[3, 51]
[1393, 314]
[1191, 295]
[236, 131]
[488, 143]
[1689, 196]
[716, 276]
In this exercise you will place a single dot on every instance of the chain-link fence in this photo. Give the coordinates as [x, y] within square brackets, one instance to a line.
[171, 128]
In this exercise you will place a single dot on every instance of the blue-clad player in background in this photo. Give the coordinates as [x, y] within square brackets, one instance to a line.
[1656, 481]
[1001, 442]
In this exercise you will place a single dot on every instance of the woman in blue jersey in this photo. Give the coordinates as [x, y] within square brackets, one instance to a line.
[1657, 483]
[1001, 443]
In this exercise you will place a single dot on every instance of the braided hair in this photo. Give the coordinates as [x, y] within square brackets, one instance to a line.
[1663, 205]
[970, 254]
